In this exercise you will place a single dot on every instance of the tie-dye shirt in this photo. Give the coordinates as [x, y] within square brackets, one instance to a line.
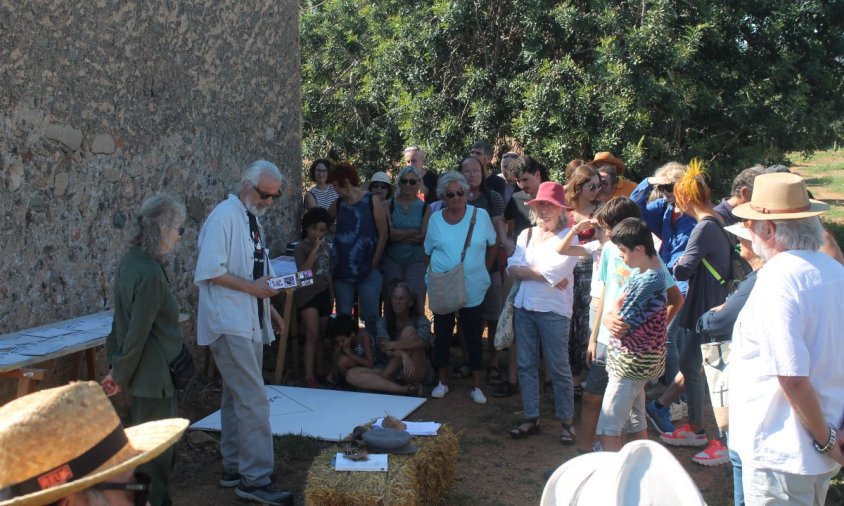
[640, 353]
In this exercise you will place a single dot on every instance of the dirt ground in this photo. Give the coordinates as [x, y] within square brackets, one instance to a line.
[493, 469]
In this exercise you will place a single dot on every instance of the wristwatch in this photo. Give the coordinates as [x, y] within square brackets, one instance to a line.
[829, 444]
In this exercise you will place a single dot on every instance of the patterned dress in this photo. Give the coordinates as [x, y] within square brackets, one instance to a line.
[579, 331]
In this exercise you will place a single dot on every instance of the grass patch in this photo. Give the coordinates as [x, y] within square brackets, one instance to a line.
[830, 183]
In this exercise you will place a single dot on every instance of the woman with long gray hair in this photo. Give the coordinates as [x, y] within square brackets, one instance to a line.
[145, 335]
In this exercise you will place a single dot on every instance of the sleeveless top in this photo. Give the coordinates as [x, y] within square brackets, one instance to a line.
[324, 198]
[355, 238]
[402, 253]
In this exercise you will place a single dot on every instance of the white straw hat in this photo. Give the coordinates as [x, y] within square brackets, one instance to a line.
[61, 440]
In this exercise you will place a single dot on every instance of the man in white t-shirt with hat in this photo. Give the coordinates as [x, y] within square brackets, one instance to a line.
[787, 379]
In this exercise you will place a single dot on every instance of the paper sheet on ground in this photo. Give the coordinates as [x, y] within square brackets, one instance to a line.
[330, 415]
[416, 428]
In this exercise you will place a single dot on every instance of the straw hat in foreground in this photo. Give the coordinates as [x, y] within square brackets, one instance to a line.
[62, 440]
[779, 196]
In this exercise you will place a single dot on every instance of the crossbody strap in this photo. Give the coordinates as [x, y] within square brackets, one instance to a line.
[720, 279]
[469, 235]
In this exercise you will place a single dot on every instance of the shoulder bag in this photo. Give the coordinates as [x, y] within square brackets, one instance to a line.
[447, 290]
[181, 368]
[505, 332]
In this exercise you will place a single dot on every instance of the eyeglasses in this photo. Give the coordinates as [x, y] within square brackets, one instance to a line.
[140, 487]
[410, 182]
[265, 195]
[592, 186]
[451, 195]
[666, 188]
[378, 186]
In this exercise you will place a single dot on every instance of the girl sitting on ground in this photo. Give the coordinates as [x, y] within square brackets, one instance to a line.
[353, 346]
[403, 336]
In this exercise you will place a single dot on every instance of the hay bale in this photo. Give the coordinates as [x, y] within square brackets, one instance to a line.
[410, 480]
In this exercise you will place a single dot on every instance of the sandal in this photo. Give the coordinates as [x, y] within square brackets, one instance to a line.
[505, 389]
[416, 390]
[567, 434]
[493, 376]
[527, 428]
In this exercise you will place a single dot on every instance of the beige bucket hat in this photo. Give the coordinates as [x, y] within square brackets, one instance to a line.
[779, 196]
[62, 440]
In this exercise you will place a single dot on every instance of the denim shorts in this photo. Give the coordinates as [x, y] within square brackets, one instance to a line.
[597, 378]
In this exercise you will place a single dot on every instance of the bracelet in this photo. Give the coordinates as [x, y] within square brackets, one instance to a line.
[829, 444]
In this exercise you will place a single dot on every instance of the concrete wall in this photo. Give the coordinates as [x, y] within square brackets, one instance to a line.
[104, 103]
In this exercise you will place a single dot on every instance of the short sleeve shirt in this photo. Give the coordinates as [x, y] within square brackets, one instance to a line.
[518, 212]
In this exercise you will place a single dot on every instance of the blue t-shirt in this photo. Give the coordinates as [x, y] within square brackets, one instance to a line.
[444, 243]
[355, 239]
[404, 253]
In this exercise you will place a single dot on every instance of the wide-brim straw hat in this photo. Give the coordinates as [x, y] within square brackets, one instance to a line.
[607, 158]
[642, 473]
[779, 196]
[62, 440]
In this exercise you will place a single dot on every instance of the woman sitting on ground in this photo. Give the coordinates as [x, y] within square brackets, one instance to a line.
[402, 338]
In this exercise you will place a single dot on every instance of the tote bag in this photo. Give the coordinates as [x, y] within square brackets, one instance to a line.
[716, 365]
[447, 290]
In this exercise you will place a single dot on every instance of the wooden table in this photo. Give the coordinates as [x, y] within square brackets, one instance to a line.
[80, 337]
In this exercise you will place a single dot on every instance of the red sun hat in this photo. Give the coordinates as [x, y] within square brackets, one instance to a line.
[550, 192]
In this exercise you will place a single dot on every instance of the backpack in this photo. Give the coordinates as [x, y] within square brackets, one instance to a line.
[738, 269]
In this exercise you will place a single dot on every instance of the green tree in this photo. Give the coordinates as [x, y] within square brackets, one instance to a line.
[734, 82]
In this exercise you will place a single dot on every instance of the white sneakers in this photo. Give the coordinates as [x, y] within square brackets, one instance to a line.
[441, 390]
[477, 396]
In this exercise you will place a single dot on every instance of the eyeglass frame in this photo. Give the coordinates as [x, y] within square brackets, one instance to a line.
[140, 487]
[408, 182]
[264, 195]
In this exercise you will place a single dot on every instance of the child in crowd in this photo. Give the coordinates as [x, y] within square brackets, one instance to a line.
[638, 355]
[612, 277]
[353, 346]
[314, 302]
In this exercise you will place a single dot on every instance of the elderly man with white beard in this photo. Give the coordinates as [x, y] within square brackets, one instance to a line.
[236, 320]
[787, 379]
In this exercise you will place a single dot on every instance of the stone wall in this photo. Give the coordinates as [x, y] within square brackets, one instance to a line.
[104, 103]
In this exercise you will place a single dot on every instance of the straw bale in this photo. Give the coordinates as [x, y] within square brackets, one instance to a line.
[411, 480]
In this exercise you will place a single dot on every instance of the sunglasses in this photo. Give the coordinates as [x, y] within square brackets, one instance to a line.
[181, 231]
[378, 186]
[408, 181]
[265, 195]
[451, 195]
[592, 186]
[666, 188]
[140, 487]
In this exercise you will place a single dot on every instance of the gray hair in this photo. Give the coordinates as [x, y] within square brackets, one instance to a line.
[450, 177]
[404, 170]
[411, 149]
[798, 234]
[157, 214]
[745, 179]
[253, 173]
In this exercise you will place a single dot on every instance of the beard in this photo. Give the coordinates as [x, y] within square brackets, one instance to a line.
[759, 248]
[254, 210]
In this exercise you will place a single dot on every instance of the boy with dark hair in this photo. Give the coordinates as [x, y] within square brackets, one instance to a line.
[612, 276]
[638, 355]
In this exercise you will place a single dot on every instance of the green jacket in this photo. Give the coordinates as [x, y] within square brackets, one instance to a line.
[145, 335]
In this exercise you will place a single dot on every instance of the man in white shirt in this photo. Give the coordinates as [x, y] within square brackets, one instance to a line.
[787, 381]
[236, 320]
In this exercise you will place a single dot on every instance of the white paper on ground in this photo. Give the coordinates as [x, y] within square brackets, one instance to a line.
[416, 428]
[376, 462]
[330, 415]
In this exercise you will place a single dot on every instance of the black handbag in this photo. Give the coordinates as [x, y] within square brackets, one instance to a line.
[181, 368]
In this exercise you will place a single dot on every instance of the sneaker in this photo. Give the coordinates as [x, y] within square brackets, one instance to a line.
[679, 409]
[597, 447]
[477, 396]
[684, 435]
[505, 389]
[660, 418]
[267, 494]
[439, 391]
[714, 455]
[229, 480]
